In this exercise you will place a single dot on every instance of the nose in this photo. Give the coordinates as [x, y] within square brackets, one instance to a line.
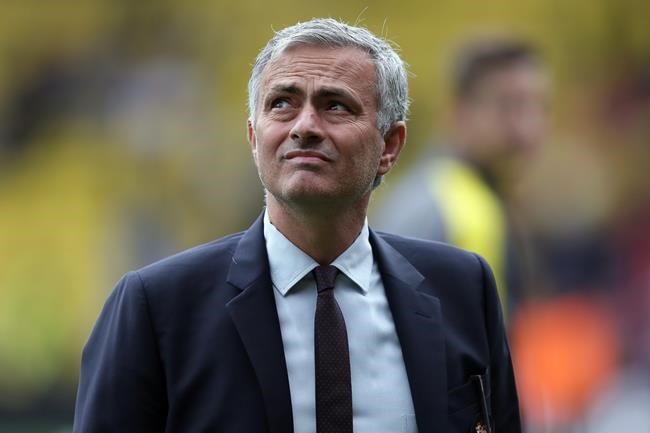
[527, 127]
[307, 127]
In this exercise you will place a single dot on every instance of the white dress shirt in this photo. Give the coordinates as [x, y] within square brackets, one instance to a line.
[381, 397]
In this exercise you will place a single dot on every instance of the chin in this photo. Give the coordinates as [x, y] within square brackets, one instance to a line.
[307, 185]
[307, 194]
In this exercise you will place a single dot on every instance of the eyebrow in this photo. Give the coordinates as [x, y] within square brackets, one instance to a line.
[286, 88]
[323, 92]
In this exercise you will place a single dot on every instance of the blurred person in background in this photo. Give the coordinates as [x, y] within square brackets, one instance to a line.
[250, 333]
[497, 120]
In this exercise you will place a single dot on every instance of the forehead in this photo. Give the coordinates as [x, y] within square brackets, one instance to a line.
[344, 66]
[523, 77]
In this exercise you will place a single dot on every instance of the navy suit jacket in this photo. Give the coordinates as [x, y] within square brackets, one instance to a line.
[192, 343]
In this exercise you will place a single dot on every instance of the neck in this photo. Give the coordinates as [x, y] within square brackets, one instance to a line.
[464, 148]
[322, 234]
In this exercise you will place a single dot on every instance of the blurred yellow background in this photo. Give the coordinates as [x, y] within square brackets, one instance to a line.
[122, 140]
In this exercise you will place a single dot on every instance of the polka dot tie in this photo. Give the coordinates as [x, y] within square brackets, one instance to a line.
[332, 357]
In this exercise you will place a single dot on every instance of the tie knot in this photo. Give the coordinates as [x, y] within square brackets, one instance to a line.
[325, 277]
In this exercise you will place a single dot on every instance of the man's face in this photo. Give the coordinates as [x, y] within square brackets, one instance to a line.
[315, 139]
[504, 118]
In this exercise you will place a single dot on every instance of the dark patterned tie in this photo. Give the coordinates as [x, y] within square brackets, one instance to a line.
[332, 357]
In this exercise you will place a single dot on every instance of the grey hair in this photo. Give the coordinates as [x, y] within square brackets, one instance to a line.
[391, 75]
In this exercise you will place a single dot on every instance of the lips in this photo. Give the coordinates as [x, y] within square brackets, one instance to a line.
[306, 156]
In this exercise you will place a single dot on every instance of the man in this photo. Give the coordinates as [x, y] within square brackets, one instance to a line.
[308, 321]
[497, 123]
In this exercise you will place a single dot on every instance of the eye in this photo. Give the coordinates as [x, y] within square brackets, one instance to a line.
[337, 106]
[280, 103]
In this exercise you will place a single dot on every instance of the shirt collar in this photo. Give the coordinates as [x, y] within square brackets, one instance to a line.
[289, 264]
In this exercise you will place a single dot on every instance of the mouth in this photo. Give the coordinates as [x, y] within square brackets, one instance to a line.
[307, 156]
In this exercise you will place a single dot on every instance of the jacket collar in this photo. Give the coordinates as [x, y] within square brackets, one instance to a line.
[417, 317]
[254, 313]
[418, 322]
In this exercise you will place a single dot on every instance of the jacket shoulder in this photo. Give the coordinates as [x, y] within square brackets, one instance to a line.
[425, 254]
[193, 263]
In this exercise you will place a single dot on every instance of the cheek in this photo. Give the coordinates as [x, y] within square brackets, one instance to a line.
[491, 130]
[370, 156]
[261, 155]
[486, 121]
[267, 143]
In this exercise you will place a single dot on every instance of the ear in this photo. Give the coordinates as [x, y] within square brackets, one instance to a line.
[252, 138]
[394, 141]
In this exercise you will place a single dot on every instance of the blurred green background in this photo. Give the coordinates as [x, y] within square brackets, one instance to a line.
[122, 140]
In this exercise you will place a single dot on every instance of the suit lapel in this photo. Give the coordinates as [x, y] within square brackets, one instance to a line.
[418, 321]
[254, 314]
[417, 316]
